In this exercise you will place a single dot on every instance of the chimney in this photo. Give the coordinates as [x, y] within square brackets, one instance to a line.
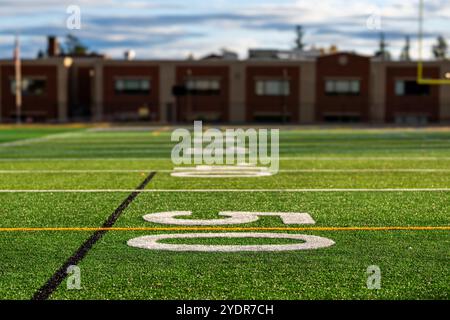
[53, 47]
[130, 55]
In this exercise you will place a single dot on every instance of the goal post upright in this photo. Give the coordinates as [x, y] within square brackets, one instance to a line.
[420, 62]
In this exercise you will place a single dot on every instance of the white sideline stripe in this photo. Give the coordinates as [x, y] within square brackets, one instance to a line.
[62, 171]
[83, 171]
[374, 158]
[363, 170]
[227, 190]
[344, 158]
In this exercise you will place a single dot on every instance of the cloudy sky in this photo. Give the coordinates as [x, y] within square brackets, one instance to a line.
[175, 28]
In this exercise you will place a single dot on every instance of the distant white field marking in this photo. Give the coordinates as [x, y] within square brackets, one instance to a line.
[62, 171]
[68, 171]
[344, 158]
[365, 158]
[49, 137]
[236, 171]
[223, 190]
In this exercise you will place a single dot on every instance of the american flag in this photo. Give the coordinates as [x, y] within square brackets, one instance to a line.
[18, 71]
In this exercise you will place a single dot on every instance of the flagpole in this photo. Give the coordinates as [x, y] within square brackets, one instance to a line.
[18, 76]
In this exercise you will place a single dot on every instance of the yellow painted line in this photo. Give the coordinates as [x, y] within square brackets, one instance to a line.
[90, 229]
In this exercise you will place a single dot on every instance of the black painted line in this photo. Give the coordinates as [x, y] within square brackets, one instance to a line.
[58, 277]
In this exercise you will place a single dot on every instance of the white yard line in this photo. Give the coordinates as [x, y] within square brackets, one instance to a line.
[74, 171]
[365, 158]
[281, 158]
[228, 190]
[405, 170]
[64, 171]
[79, 159]
[46, 138]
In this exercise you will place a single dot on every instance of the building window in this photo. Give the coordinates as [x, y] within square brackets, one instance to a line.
[208, 87]
[30, 86]
[342, 87]
[272, 88]
[342, 118]
[411, 88]
[132, 86]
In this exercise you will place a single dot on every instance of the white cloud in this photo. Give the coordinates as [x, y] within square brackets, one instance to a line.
[153, 29]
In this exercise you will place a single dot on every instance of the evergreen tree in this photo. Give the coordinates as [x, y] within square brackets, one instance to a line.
[382, 52]
[73, 46]
[405, 55]
[440, 49]
[299, 40]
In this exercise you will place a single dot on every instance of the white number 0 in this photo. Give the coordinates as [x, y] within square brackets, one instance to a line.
[305, 242]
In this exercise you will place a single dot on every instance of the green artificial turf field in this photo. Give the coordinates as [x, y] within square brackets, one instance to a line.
[76, 178]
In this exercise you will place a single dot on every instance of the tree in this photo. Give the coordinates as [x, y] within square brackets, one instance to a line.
[440, 49]
[333, 49]
[382, 52]
[405, 56]
[73, 46]
[299, 40]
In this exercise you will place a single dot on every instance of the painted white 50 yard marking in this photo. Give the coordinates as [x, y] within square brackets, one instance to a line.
[232, 218]
[151, 242]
